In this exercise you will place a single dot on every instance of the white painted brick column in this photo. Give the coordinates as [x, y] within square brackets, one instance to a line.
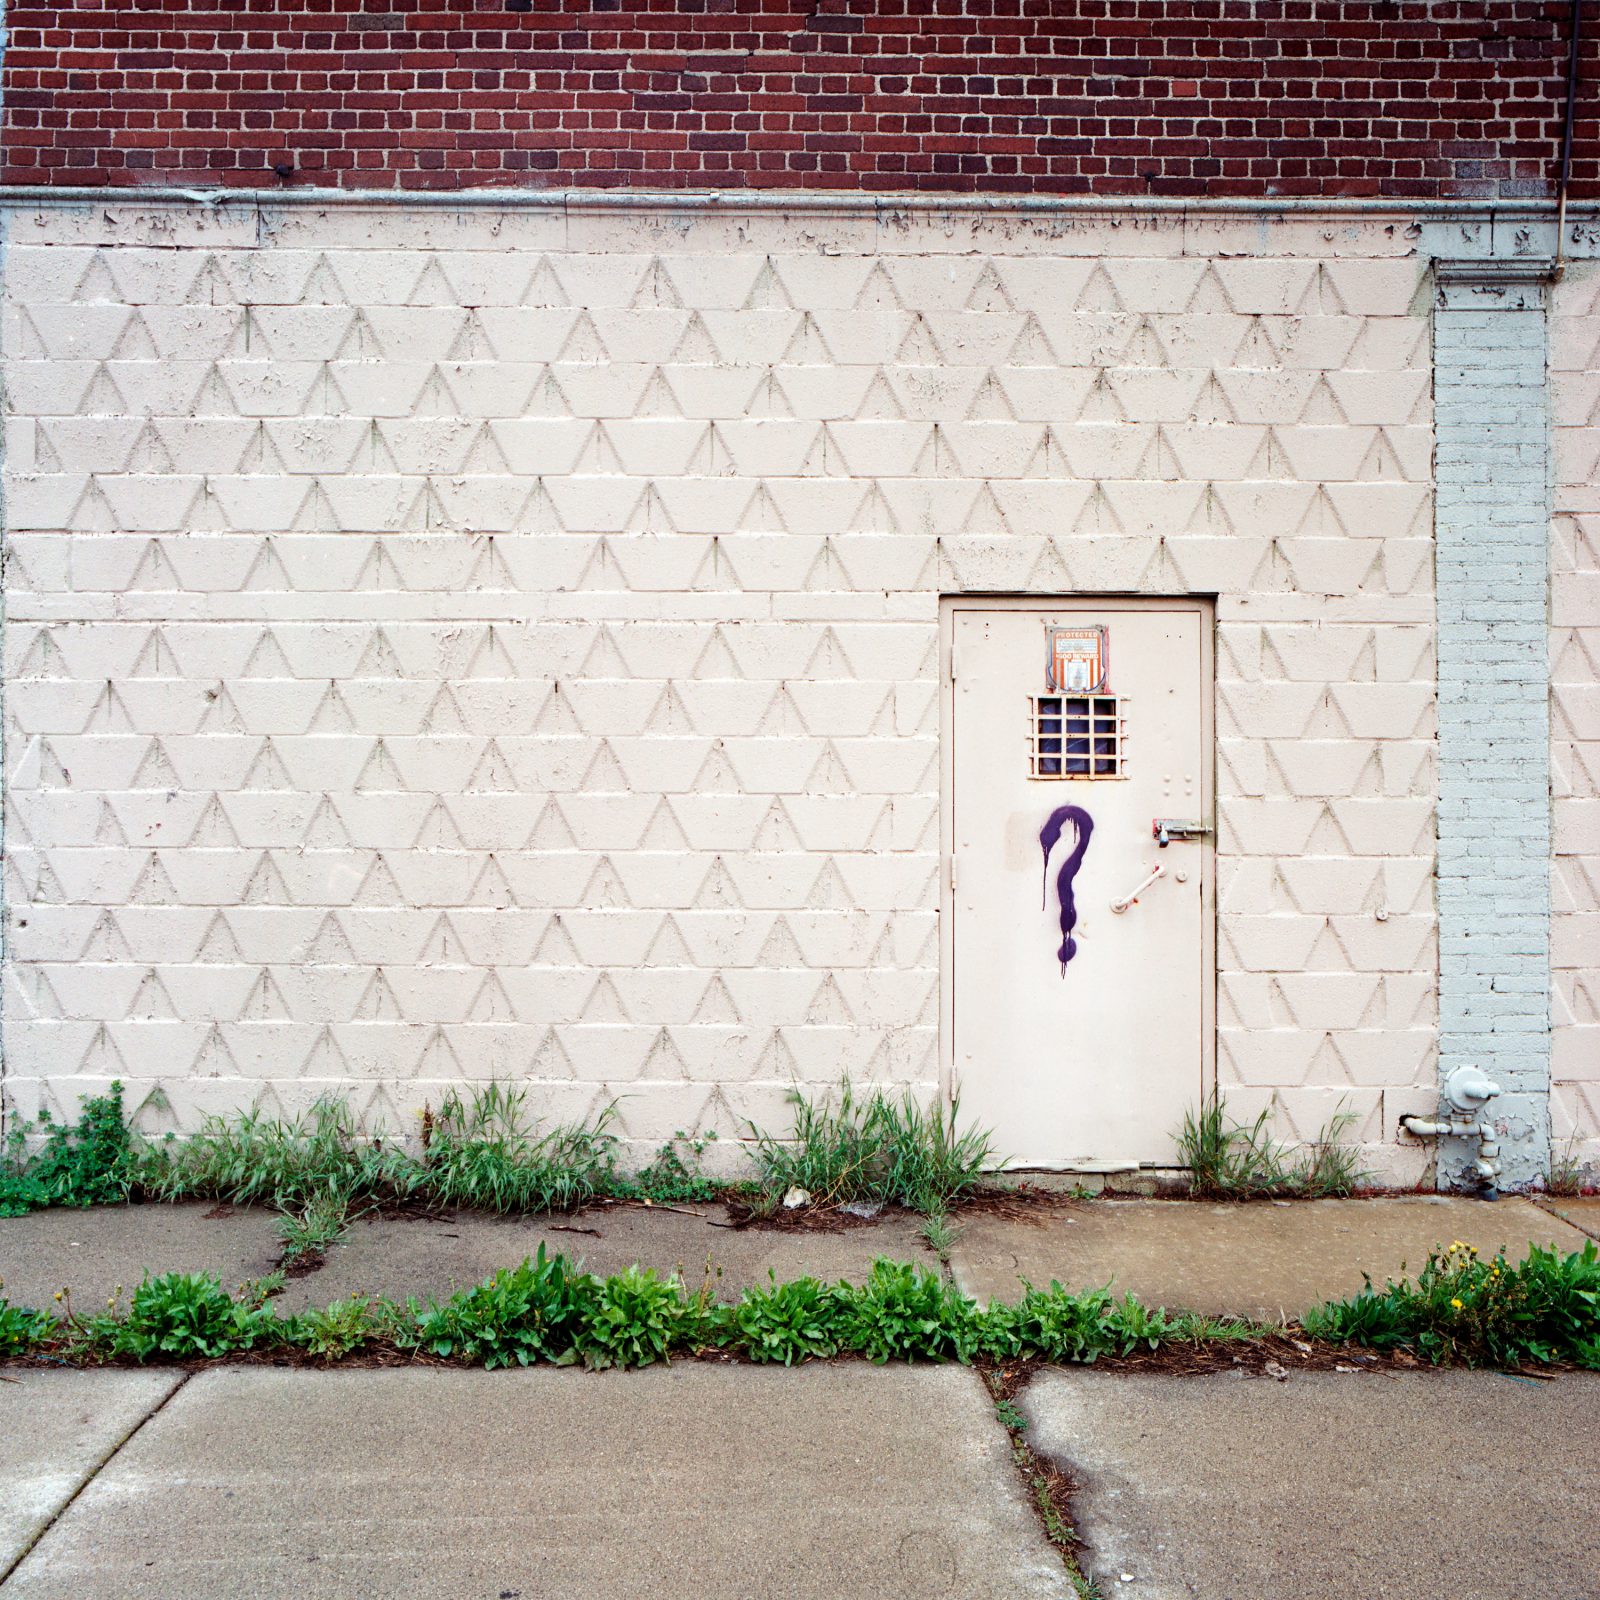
[1491, 412]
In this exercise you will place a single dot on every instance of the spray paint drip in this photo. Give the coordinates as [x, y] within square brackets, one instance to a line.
[1049, 836]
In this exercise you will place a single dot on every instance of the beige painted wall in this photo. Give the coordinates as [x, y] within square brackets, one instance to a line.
[1575, 715]
[450, 644]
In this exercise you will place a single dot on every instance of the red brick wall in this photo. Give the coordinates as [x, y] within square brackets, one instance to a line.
[1173, 97]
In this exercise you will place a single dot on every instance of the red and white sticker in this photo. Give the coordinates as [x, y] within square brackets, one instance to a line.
[1078, 661]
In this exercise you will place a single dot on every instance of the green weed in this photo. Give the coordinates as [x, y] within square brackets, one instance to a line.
[1479, 1312]
[1131, 1323]
[674, 1175]
[907, 1313]
[181, 1315]
[257, 1291]
[873, 1148]
[344, 1328]
[1011, 1419]
[1053, 1324]
[90, 1163]
[635, 1319]
[20, 1328]
[534, 1312]
[1057, 1529]
[1230, 1160]
[803, 1320]
[1461, 1309]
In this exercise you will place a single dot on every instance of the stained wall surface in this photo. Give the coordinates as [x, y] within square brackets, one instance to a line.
[1575, 715]
[444, 644]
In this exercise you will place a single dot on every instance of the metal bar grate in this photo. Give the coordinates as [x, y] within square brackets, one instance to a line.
[1076, 736]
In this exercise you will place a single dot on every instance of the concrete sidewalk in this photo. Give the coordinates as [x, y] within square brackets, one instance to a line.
[708, 1479]
[721, 1482]
[57, 1429]
[1330, 1485]
[1262, 1260]
[701, 1481]
[94, 1251]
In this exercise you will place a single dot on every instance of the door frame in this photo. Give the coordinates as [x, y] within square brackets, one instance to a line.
[949, 607]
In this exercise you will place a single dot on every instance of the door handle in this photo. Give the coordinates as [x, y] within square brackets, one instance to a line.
[1132, 899]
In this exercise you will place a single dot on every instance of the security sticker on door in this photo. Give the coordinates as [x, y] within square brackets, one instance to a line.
[1078, 660]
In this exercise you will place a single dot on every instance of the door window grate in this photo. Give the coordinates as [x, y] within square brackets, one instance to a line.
[1076, 736]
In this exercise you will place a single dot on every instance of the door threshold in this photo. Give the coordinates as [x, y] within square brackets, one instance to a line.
[1101, 1176]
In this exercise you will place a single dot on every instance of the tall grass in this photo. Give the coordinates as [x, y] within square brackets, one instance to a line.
[483, 1150]
[253, 1157]
[1230, 1160]
[873, 1148]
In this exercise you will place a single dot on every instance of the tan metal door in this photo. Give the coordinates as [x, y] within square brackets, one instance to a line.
[1080, 948]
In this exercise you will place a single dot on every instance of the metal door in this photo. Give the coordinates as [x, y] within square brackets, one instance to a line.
[1078, 946]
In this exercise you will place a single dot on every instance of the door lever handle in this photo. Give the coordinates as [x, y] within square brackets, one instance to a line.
[1132, 899]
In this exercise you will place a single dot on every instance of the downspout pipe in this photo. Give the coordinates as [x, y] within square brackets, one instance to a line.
[1569, 123]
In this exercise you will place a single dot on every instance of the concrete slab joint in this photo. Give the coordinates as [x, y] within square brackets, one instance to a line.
[1493, 509]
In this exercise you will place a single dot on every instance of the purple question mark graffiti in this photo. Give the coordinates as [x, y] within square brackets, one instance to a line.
[1049, 836]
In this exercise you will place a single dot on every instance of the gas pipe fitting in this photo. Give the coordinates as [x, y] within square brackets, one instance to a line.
[1467, 1091]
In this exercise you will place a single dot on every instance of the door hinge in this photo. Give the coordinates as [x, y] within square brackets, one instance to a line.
[952, 866]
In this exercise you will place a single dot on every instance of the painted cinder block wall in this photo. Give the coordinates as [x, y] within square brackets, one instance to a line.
[1575, 714]
[503, 641]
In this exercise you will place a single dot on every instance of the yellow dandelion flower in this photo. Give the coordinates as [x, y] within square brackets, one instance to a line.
[1456, 1304]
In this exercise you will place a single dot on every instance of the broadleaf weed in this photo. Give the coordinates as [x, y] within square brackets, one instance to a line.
[801, 1320]
[907, 1313]
[533, 1312]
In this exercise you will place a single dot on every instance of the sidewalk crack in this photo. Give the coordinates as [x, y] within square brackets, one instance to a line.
[1046, 1484]
[94, 1472]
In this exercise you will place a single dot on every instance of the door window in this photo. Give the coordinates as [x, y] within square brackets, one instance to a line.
[1076, 736]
